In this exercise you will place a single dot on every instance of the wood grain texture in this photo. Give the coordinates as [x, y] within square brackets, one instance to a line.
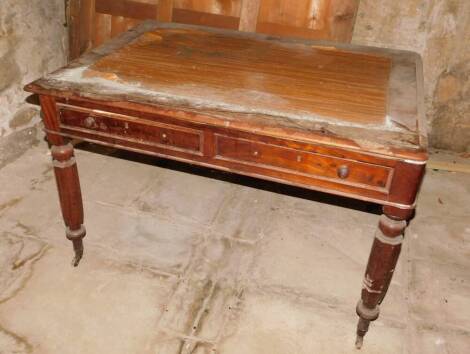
[73, 21]
[165, 10]
[401, 135]
[257, 76]
[249, 15]
[86, 24]
[282, 12]
[205, 19]
[66, 173]
[323, 166]
[314, 19]
[68, 186]
[127, 8]
[147, 132]
[103, 28]
[118, 25]
[400, 188]
[49, 117]
[369, 177]
[70, 196]
[220, 7]
[129, 112]
[341, 19]
[283, 30]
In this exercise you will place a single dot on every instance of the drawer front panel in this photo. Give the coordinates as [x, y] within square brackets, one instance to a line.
[343, 171]
[133, 129]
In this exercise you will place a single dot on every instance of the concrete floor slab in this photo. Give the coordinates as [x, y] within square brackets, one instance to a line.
[279, 324]
[56, 308]
[183, 260]
[325, 268]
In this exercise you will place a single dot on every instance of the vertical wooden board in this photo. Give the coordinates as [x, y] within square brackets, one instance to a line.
[249, 15]
[165, 10]
[141, 9]
[87, 22]
[205, 19]
[284, 12]
[118, 25]
[318, 19]
[73, 19]
[102, 28]
[341, 19]
[319, 11]
[220, 7]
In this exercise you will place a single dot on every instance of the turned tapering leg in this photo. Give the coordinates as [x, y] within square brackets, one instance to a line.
[66, 174]
[380, 267]
[68, 185]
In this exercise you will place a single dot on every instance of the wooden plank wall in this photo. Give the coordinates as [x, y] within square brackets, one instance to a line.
[92, 22]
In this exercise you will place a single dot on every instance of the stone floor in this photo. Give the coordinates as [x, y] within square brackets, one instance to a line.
[188, 260]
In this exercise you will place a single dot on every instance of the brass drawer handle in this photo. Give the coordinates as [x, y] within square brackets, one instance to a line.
[256, 153]
[164, 137]
[343, 171]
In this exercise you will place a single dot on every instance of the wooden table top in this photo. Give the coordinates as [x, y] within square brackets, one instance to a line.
[358, 97]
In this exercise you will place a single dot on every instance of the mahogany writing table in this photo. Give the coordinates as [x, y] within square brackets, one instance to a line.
[341, 119]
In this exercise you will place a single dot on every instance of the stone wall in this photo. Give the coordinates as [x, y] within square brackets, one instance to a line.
[33, 41]
[440, 31]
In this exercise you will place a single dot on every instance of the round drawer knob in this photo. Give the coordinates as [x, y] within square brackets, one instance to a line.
[255, 153]
[89, 122]
[164, 136]
[343, 171]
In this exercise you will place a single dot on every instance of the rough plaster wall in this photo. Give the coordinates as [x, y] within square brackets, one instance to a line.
[440, 31]
[32, 42]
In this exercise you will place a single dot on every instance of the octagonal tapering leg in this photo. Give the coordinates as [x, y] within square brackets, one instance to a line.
[68, 185]
[380, 267]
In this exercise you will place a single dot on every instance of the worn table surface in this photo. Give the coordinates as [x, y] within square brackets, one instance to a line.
[357, 97]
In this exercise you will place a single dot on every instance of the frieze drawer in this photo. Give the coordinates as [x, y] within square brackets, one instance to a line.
[340, 170]
[132, 129]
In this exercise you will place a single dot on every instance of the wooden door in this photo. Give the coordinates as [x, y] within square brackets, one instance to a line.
[92, 22]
